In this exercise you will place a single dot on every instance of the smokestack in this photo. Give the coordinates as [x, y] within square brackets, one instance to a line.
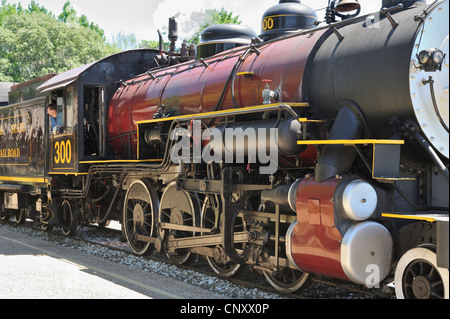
[173, 33]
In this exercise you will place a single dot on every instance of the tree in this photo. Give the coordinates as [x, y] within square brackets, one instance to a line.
[4, 67]
[36, 44]
[222, 17]
[6, 10]
[214, 17]
[70, 15]
[152, 44]
[206, 18]
[35, 7]
[122, 41]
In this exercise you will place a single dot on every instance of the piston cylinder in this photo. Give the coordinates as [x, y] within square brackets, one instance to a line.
[319, 242]
[284, 196]
[256, 137]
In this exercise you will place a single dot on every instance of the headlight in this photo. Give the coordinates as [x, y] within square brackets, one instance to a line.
[424, 57]
[438, 57]
[431, 60]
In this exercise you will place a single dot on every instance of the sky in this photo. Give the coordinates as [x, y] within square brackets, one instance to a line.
[144, 17]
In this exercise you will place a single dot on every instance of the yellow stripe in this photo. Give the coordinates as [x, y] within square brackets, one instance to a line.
[290, 15]
[223, 112]
[66, 173]
[395, 178]
[15, 116]
[245, 73]
[23, 179]
[305, 120]
[411, 217]
[351, 142]
[122, 161]
[60, 136]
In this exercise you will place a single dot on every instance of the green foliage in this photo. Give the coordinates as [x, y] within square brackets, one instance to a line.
[214, 17]
[208, 17]
[69, 15]
[35, 7]
[34, 43]
[151, 44]
[122, 41]
[222, 17]
[7, 9]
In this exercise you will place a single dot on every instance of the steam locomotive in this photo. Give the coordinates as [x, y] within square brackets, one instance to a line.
[313, 149]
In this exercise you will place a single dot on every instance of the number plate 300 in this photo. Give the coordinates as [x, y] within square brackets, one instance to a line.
[63, 152]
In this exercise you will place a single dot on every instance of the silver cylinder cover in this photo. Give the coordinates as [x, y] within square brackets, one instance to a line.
[359, 200]
[366, 253]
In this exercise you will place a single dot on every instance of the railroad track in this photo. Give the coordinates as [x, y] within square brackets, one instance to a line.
[253, 279]
[107, 243]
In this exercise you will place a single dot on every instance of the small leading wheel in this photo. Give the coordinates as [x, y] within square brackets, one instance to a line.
[181, 208]
[417, 276]
[140, 206]
[288, 280]
[285, 279]
[210, 212]
[68, 218]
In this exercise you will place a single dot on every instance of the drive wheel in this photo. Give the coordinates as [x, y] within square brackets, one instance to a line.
[210, 212]
[140, 206]
[20, 216]
[181, 208]
[417, 276]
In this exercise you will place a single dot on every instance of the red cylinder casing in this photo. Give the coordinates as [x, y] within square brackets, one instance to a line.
[315, 240]
[194, 88]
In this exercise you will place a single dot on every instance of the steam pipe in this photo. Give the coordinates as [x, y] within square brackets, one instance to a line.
[160, 43]
[337, 160]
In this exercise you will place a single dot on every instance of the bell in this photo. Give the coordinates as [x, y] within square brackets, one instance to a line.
[347, 5]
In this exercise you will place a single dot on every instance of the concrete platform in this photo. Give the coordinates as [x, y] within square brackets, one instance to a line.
[32, 268]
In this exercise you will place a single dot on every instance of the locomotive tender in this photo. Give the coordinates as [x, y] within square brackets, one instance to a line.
[310, 150]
